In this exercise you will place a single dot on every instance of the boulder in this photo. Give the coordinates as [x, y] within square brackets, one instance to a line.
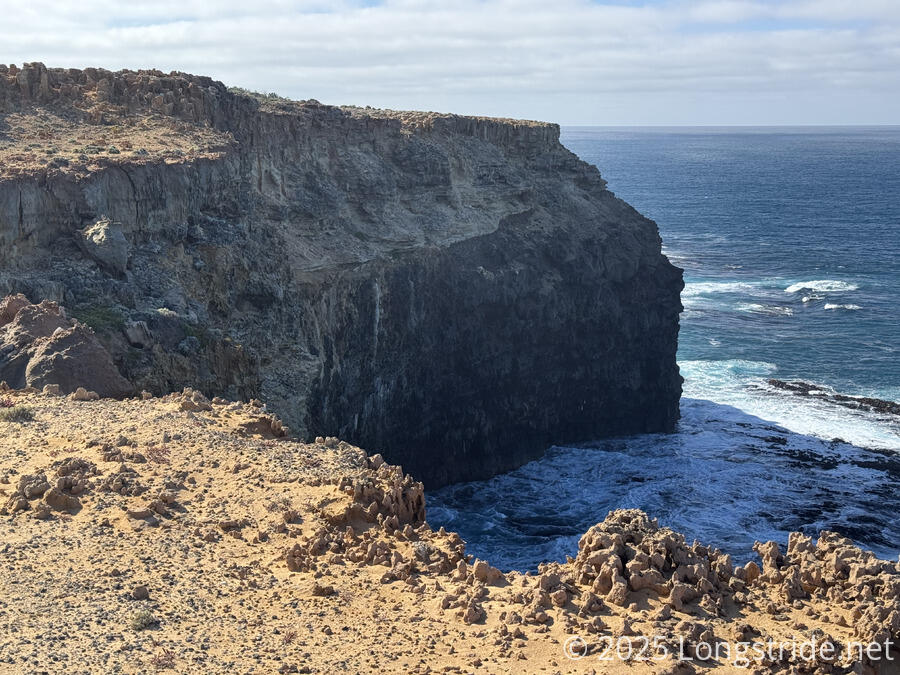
[138, 334]
[31, 486]
[82, 394]
[73, 358]
[42, 347]
[484, 573]
[10, 306]
[618, 593]
[59, 500]
[105, 243]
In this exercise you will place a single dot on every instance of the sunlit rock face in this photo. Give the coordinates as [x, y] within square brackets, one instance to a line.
[457, 293]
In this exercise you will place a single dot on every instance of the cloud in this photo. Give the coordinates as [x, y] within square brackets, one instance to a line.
[714, 61]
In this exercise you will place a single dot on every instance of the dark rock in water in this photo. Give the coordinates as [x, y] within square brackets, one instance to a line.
[864, 403]
[457, 293]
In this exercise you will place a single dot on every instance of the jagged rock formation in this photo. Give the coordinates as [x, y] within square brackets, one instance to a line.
[455, 292]
[41, 346]
[865, 403]
[245, 550]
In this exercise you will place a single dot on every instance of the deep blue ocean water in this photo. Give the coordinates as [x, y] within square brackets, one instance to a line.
[790, 242]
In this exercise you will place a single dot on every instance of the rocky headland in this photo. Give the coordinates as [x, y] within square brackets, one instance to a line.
[451, 293]
[454, 292]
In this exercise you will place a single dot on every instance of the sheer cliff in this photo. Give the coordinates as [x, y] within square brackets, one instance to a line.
[457, 293]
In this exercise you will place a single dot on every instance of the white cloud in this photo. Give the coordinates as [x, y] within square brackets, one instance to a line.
[715, 61]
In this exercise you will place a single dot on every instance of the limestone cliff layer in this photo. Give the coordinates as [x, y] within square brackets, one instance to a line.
[455, 292]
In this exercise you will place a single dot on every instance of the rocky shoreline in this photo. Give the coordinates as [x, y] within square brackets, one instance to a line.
[451, 293]
[181, 533]
[863, 403]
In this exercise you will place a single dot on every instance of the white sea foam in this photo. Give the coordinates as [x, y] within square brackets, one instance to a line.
[748, 462]
[757, 308]
[706, 379]
[702, 293]
[696, 288]
[822, 285]
[831, 305]
[742, 384]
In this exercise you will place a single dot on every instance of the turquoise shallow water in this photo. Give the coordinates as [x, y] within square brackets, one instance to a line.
[790, 242]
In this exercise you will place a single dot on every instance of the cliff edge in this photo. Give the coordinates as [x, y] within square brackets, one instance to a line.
[179, 534]
[455, 292]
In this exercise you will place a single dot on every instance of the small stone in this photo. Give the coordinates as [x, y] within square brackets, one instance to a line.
[559, 597]
[321, 590]
[82, 394]
[41, 511]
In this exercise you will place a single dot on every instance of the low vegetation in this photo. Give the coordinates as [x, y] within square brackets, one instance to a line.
[102, 319]
[18, 414]
[259, 96]
[164, 660]
[143, 620]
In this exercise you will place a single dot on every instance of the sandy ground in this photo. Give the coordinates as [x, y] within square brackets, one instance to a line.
[44, 139]
[182, 535]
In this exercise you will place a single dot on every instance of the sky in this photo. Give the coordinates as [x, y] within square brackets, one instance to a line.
[662, 62]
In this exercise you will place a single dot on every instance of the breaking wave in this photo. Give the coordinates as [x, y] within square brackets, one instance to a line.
[747, 463]
[758, 308]
[831, 305]
[822, 285]
[693, 289]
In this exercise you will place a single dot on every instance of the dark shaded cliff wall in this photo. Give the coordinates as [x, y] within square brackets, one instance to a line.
[502, 356]
[457, 293]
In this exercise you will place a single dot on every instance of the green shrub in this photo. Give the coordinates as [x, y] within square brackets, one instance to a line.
[198, 331]
[259, 96]
[143, 620]
[18, 414]
[101, 319]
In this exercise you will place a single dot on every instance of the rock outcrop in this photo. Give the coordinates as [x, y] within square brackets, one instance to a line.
[40, 346]
[865, 403]
[105, 243]
[247, 550]
[454, 292]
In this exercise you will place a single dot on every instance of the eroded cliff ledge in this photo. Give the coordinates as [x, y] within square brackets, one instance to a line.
[457, 293]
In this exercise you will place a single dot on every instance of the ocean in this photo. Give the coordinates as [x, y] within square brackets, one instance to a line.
[790, 243]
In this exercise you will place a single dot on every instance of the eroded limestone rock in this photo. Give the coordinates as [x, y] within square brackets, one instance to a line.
[41, 347]
[105, 242]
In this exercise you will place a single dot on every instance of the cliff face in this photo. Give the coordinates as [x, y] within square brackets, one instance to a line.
[457, 293]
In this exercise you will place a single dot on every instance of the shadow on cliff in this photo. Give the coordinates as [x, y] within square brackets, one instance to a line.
[725, 477]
